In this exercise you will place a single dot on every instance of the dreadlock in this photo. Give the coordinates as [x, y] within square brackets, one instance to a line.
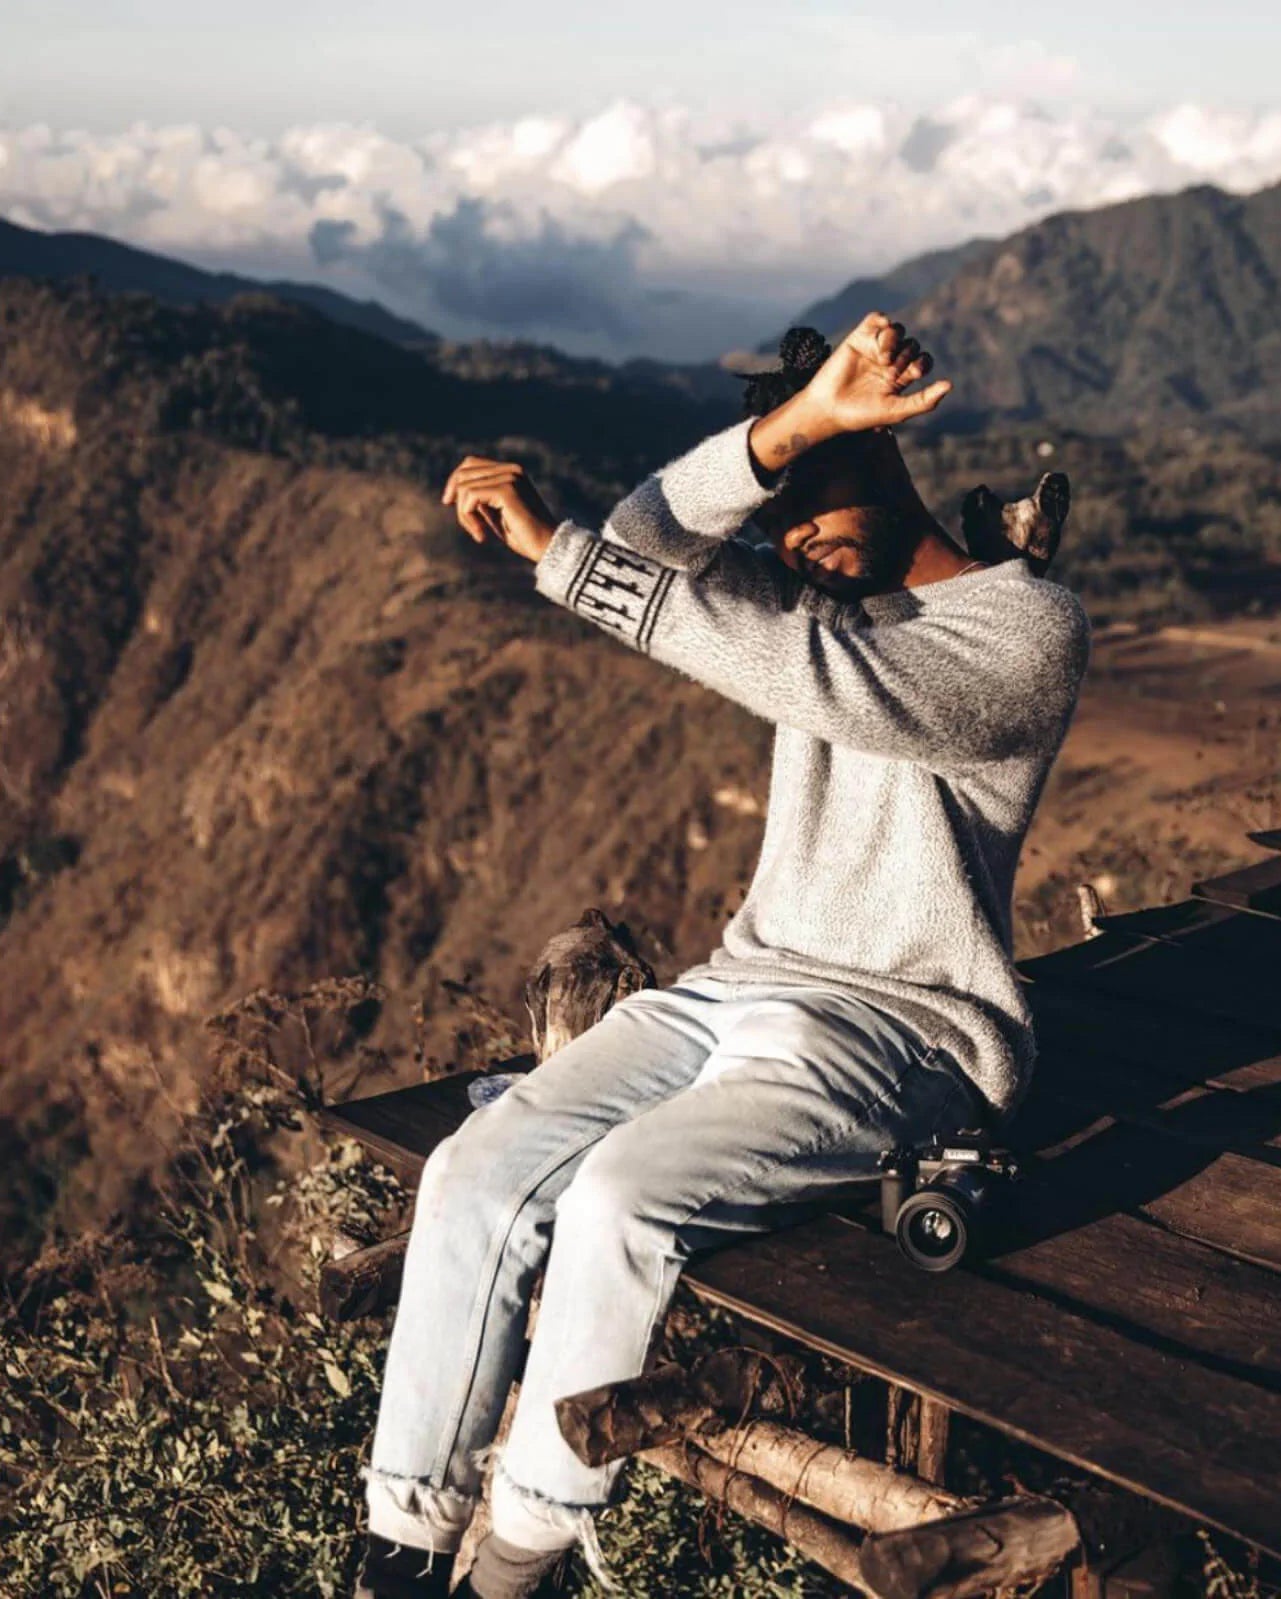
[802, 351]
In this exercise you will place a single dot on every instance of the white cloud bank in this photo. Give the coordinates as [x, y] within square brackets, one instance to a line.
[631, 231]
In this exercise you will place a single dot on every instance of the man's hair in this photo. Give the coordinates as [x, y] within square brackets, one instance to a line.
[801, 351]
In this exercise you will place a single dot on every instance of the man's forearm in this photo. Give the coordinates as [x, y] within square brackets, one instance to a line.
[681, 514]
[787, 432]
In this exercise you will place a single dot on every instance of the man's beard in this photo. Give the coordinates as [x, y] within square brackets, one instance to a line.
[882, 561]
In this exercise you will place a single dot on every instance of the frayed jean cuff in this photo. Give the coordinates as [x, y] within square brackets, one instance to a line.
[530, 1520]
[415, 1515]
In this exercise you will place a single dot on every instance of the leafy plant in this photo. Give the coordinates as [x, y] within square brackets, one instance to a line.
[176, 1419]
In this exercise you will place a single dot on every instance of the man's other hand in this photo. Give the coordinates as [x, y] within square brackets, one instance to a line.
[495, 499]
[863, 383]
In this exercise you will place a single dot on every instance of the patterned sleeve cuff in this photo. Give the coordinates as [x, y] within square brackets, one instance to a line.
[605, 583]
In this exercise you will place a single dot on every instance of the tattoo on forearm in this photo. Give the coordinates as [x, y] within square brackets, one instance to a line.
[796, 445]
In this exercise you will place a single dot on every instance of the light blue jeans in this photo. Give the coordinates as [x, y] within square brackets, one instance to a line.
[686, 1117]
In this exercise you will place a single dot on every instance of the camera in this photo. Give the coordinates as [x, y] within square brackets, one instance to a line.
[936, 1198]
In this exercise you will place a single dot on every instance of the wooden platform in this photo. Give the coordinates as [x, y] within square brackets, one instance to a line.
[1130, 1322]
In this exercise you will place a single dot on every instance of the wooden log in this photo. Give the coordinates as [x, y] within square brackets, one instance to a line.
[902, 1427]
[364, 1281]
[996, 531]
[618, 1419]
[579, 975]
[828, 1479]
[1019, 1542]
[934, 1427]
[825, 1542]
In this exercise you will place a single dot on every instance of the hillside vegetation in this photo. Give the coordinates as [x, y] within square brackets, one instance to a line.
[268, 717]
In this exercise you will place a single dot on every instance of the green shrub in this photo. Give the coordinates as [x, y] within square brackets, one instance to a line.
[177, 1420]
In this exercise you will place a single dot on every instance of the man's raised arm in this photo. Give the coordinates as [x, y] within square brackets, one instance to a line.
[947, 692]
[680, 515]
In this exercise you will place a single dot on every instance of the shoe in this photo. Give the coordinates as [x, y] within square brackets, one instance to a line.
[396, 1571]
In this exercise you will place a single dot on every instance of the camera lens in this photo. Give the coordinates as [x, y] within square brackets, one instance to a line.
[933, 1229]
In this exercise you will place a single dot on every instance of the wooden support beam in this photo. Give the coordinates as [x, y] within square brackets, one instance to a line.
[934, 1427]
[902, 1427]
[1021, 1542]
[916, 1433]
[1085, 1581]
[363, 1282]
[607, 1423]
[1017, 1543]
[831, 1480]
[825, 1542]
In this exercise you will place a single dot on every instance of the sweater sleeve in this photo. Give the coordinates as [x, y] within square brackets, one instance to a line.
[993, 676]
[679, 515]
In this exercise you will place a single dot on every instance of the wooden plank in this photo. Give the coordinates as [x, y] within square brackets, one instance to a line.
[1174, 921]
[1218, 1118]
[1230, 941]
[1252, 888]
[1160, 1288]
[403, 1126]
[1179, 1048]
[1184, 975]
[1204, 1442]
[1223, 1199]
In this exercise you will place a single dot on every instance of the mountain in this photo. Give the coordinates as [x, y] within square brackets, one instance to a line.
[117, 268]
[1152, 312]
[267, 717]
[900, 287]
[120, 269]
[1160, 310]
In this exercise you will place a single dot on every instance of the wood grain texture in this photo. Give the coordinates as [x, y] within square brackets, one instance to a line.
[1018, 1544]
[1200, 1440]
[1254, 888]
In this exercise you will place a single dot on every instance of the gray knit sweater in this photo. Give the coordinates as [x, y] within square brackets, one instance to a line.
[914, 734]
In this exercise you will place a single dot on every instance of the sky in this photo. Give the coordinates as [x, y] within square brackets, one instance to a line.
[668, 179]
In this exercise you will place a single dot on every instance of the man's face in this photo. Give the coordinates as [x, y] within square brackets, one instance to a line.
[832, 523]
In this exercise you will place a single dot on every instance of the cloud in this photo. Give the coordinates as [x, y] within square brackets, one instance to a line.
[480, 263]
[633, 229]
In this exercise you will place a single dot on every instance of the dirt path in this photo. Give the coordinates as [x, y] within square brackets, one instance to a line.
[1172, 759]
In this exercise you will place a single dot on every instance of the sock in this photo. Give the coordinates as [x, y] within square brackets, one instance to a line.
[504, 1570]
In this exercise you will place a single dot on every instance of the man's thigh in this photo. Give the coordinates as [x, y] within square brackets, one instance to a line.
[527, 1142]
[801, 1095]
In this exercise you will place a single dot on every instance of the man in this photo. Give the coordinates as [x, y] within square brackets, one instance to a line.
[863, 995]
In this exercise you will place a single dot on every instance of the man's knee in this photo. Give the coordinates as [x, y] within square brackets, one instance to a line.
[609, 1195]
[485, 1173]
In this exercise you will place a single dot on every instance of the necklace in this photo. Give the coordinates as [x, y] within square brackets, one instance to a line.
[967, 568]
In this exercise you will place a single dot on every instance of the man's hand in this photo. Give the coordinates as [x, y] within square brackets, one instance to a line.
[862, 385]
[496, 499]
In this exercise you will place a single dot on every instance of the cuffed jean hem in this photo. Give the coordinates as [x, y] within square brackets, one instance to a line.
[416, 1515]
[531, 1520]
